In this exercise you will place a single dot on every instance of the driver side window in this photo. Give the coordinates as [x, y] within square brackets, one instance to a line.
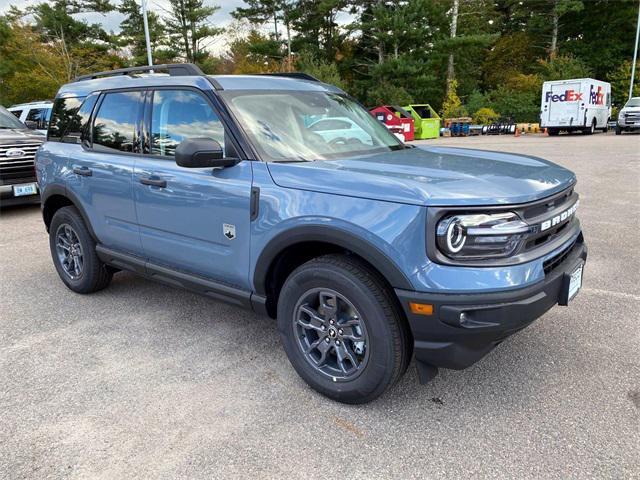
[180, 114]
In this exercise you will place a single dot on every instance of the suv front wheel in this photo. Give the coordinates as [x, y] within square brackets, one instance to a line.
[74, 253]
[342, 330]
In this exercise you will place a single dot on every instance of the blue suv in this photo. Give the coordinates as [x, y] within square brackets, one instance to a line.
[366, 250]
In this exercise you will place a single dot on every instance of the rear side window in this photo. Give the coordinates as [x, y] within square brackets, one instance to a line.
[64, 118]
[114, 127]
[180, 114]
[39, 117]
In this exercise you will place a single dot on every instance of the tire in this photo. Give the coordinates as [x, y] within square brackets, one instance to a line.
[85, 273]
[618, 130]
[346, 284]
[590, 130]
[552, 132]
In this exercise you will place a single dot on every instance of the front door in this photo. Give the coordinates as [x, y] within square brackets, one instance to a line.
[195, 220]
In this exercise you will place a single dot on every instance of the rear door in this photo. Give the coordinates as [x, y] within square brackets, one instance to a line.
[102, 168]
[195, 220]
[561, 104]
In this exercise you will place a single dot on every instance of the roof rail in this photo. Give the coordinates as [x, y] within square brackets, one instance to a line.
[300, 75]
[174, 69]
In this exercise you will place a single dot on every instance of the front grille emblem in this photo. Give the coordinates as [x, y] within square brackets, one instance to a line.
[15, 153]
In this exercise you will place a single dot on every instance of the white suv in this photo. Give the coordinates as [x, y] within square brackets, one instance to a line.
[35, 115]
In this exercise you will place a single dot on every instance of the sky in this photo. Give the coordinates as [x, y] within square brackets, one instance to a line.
[111, 21]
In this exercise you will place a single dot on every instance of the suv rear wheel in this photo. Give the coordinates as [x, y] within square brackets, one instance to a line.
[74, 253]
[342, 330]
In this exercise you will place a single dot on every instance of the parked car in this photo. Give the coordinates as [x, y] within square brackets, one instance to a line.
[629, 116]
[34, 115]
[581, 104]
[367, 254]
[340, 130]
[18, 146]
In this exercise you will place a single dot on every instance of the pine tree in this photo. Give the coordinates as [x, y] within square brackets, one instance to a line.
[187, 22]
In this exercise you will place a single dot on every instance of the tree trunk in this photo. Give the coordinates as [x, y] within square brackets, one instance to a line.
[275, 24]
[554, 32]
[451, 74]
[288, 37]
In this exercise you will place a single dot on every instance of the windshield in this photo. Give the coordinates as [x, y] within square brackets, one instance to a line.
[307, 126]
[8, 120]
[633, 102]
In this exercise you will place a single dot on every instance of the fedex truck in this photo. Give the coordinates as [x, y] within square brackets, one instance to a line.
[582, 104]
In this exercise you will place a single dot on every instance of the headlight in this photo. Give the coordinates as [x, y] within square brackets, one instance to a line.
[480, 235]
[620, 115]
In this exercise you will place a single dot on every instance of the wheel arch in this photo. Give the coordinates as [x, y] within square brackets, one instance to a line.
[291, 248]
[56, 197]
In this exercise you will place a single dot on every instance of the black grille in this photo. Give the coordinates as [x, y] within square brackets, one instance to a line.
[550, 264]
[15, 169]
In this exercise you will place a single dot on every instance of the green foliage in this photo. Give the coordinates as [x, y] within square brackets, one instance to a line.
[620, 79]
[564, 67]
[392, 51]
[522, 106]
[321, 69]
[187, 24]
[388, 94]
[511, 54]
[476, 100]
[485, 116]
[132, 34]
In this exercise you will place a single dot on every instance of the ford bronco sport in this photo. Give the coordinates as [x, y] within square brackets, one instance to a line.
[366, 250]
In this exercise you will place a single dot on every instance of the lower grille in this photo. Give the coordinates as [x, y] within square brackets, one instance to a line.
[550, 264]
[17, 162]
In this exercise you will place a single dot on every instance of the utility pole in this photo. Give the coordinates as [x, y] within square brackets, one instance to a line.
[635, 54]
[146, 32]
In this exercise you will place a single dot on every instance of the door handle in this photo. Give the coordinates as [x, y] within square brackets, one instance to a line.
[153, 181]
[83, 171]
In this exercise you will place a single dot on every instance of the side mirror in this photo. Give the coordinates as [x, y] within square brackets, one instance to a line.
[202, 153]
[32, 124]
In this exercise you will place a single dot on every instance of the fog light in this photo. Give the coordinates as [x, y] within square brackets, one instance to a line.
[421, 308]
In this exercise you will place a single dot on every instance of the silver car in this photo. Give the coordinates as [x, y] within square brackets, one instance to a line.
[629, 116]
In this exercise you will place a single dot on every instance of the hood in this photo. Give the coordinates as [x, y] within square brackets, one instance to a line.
[438, 176]
[20, 135]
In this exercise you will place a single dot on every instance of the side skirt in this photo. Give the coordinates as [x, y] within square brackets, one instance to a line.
[175, 278]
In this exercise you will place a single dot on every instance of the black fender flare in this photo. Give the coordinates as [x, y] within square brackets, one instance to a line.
[327, 234]
[60, 190]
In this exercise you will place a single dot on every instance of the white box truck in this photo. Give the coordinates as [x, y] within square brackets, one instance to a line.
[581, 104]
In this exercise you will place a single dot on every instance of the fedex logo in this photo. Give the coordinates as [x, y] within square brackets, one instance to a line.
[596, 97]
[567, 96]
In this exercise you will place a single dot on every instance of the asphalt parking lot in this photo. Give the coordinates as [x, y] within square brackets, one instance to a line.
[141, 380]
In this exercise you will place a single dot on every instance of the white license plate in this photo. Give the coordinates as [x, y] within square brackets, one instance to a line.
[26, 189]
[575, 282]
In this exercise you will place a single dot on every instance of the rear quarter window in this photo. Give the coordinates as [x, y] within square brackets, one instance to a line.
[70, 118]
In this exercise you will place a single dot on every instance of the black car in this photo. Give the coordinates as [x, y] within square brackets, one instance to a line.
[18, 146]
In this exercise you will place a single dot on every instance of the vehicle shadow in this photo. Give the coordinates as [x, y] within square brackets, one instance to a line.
[249, 344]
[12, 211]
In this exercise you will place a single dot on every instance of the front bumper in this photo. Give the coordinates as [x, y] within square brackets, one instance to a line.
[443, 339]
[7, 197]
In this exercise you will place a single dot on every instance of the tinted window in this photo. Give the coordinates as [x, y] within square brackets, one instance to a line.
[40, 117]
[17, 113]
[180, 114]
[64, 117]
[115, 123]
